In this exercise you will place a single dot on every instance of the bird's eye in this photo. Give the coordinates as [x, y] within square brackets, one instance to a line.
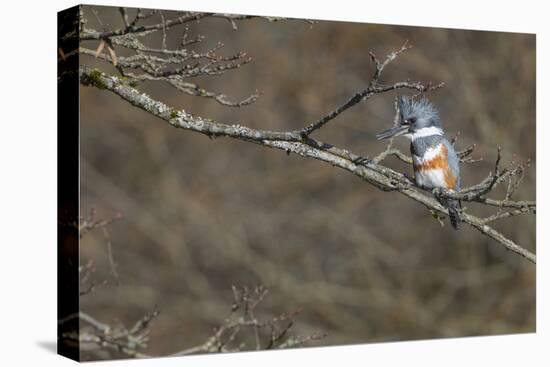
[412, 120]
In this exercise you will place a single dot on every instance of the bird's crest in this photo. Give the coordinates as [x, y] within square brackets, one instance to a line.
[421, 108]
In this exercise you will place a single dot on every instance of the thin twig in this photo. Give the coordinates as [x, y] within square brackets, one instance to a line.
[246, 301]
[374, 88]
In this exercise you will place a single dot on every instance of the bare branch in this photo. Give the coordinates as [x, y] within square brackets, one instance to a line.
[170, 66]
[378, 175]
[242, 318]
[91, 222]
[105, 336]
[374, 88]
[195, 90]
[86, 225]
[182, 18]
[90, 34]
[389, 58]
[124, 16]
[87, 283]
[174, 66]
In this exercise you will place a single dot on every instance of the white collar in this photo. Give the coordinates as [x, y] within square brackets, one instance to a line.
[424, 132]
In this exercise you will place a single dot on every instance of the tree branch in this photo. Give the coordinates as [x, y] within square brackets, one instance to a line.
[184, 17]
[374, 173]
[243, 317]
[268, 333]
[374, 88]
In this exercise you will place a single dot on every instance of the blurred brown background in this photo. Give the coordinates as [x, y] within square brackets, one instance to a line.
[201, 215]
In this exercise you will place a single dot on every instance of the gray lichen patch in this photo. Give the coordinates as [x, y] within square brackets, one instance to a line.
[95, 78]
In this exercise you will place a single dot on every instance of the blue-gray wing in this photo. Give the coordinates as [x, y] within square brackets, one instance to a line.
[454, 161]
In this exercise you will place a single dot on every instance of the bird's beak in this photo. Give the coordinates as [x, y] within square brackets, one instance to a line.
[394, 131]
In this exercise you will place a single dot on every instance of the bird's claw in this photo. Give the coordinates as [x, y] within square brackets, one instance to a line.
[409, 178]
[361, 161]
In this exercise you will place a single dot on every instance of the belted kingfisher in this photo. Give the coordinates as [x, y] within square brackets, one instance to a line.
[435, 162]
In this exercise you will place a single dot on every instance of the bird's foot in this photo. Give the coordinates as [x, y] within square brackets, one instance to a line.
[411, 179]
[362, 161]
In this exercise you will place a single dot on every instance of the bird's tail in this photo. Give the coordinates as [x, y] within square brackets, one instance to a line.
[454, 214]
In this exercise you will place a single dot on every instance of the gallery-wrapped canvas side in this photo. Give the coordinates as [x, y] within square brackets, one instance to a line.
[68, 183]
